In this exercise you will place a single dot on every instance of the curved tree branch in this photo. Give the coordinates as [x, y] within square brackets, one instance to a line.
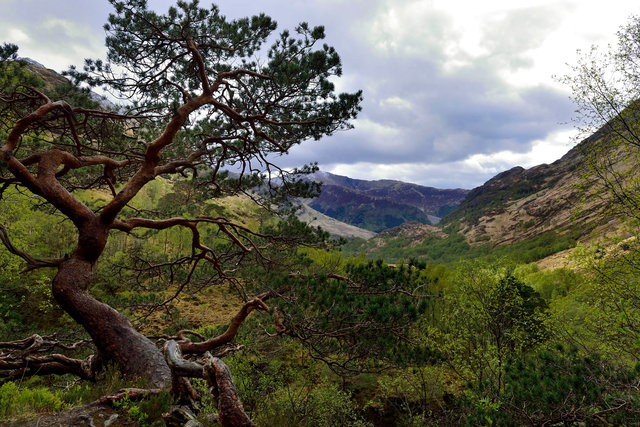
[152, 157]
[32, 262]
[234, 326]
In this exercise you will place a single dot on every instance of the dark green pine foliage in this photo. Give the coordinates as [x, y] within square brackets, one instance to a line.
[12, 70]
[563, 387]
[362, 323]
[260, 108]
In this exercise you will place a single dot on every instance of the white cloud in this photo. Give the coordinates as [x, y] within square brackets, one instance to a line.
[69, 27]
[542, 151]
[397, 103]
[410, 28]
[466, 83]
[526, 42]
[15, 35]
[372, 128]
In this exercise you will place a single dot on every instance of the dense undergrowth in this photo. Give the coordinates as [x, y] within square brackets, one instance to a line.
[497, 340]
[454, 247]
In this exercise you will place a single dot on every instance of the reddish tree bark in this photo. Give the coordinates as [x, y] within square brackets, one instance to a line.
[230, 408]
[113, 334]
[216, 372]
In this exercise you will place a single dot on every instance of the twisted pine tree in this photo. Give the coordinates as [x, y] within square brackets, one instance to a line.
[194, 101]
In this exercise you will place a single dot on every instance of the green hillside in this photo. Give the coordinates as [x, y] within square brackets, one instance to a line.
[143, 284]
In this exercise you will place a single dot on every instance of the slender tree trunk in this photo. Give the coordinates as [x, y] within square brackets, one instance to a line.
[112, 332]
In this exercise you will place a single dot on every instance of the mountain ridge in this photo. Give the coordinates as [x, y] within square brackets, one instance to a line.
[381, 204]
[530, 214]
[515, 204]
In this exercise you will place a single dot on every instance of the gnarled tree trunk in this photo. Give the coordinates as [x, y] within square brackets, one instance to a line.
[112, 332]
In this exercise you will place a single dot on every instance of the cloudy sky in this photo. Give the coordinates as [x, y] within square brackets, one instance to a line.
[455, 91]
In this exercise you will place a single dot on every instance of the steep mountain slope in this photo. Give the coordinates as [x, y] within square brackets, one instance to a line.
[528, 214]
[383, 204]
[515, 184]
[52, 79]
[331, 225]
[365, 211]
[519, 204]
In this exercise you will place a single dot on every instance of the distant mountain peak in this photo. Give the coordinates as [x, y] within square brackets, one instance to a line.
[32, 62]
[381, 204]
[328, 177]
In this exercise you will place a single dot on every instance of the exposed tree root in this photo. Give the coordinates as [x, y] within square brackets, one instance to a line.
[218, 376]
[21, 358]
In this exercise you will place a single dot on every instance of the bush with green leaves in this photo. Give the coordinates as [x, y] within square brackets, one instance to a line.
[281, 385]
[602, 310]
[25, 296]
[321, 404]
[487, 317]
[411, 396]
[18, 402]
[561, 387]
[147, 412]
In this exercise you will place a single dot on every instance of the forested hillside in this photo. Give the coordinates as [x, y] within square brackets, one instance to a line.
[151, 274]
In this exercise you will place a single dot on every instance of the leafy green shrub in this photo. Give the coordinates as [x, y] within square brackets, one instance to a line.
[77, 394]
[553, 283]
[147, 412]
[18, 402]
[410, 396]
[561, 388]
[133, 409]
[316, 405]
[488, 317]
[257, 378]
